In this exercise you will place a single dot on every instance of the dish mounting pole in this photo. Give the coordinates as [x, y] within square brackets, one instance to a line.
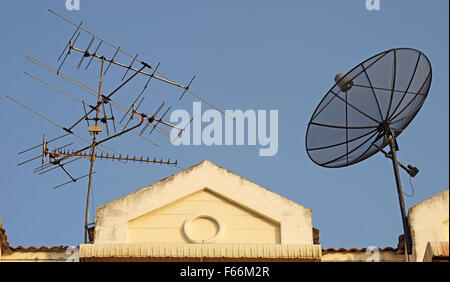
[406, 227]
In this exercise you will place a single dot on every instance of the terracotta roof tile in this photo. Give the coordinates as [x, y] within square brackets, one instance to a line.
[4, 244]
[344, 250]
[39, 249]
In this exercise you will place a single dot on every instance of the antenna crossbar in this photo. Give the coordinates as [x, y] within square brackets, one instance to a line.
[68, 154]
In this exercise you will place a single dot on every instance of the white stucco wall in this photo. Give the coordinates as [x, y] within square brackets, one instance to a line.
[295, 220]
[429, 222]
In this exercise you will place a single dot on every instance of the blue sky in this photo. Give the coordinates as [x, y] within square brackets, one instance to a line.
[260, 55]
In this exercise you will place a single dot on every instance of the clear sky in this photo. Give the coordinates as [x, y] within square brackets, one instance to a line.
[260, 55]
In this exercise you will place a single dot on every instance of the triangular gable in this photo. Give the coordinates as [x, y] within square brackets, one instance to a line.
[294, 220]
[203, 217]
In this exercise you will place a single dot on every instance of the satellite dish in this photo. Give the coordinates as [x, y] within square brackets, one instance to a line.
[385, 91]
[366, 109]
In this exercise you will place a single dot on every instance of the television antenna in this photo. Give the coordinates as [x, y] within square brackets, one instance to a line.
[100, 114]
[366, 110]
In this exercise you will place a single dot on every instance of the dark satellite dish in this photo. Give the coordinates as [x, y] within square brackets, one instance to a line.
[367, 109]
[385, 91]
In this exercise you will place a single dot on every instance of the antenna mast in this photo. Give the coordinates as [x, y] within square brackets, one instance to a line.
[97, 115]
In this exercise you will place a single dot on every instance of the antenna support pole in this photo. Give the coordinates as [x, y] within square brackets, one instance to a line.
[406, 227]
[92, 159]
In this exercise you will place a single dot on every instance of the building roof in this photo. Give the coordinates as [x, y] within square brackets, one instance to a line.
[344, 250]
[436, 250]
